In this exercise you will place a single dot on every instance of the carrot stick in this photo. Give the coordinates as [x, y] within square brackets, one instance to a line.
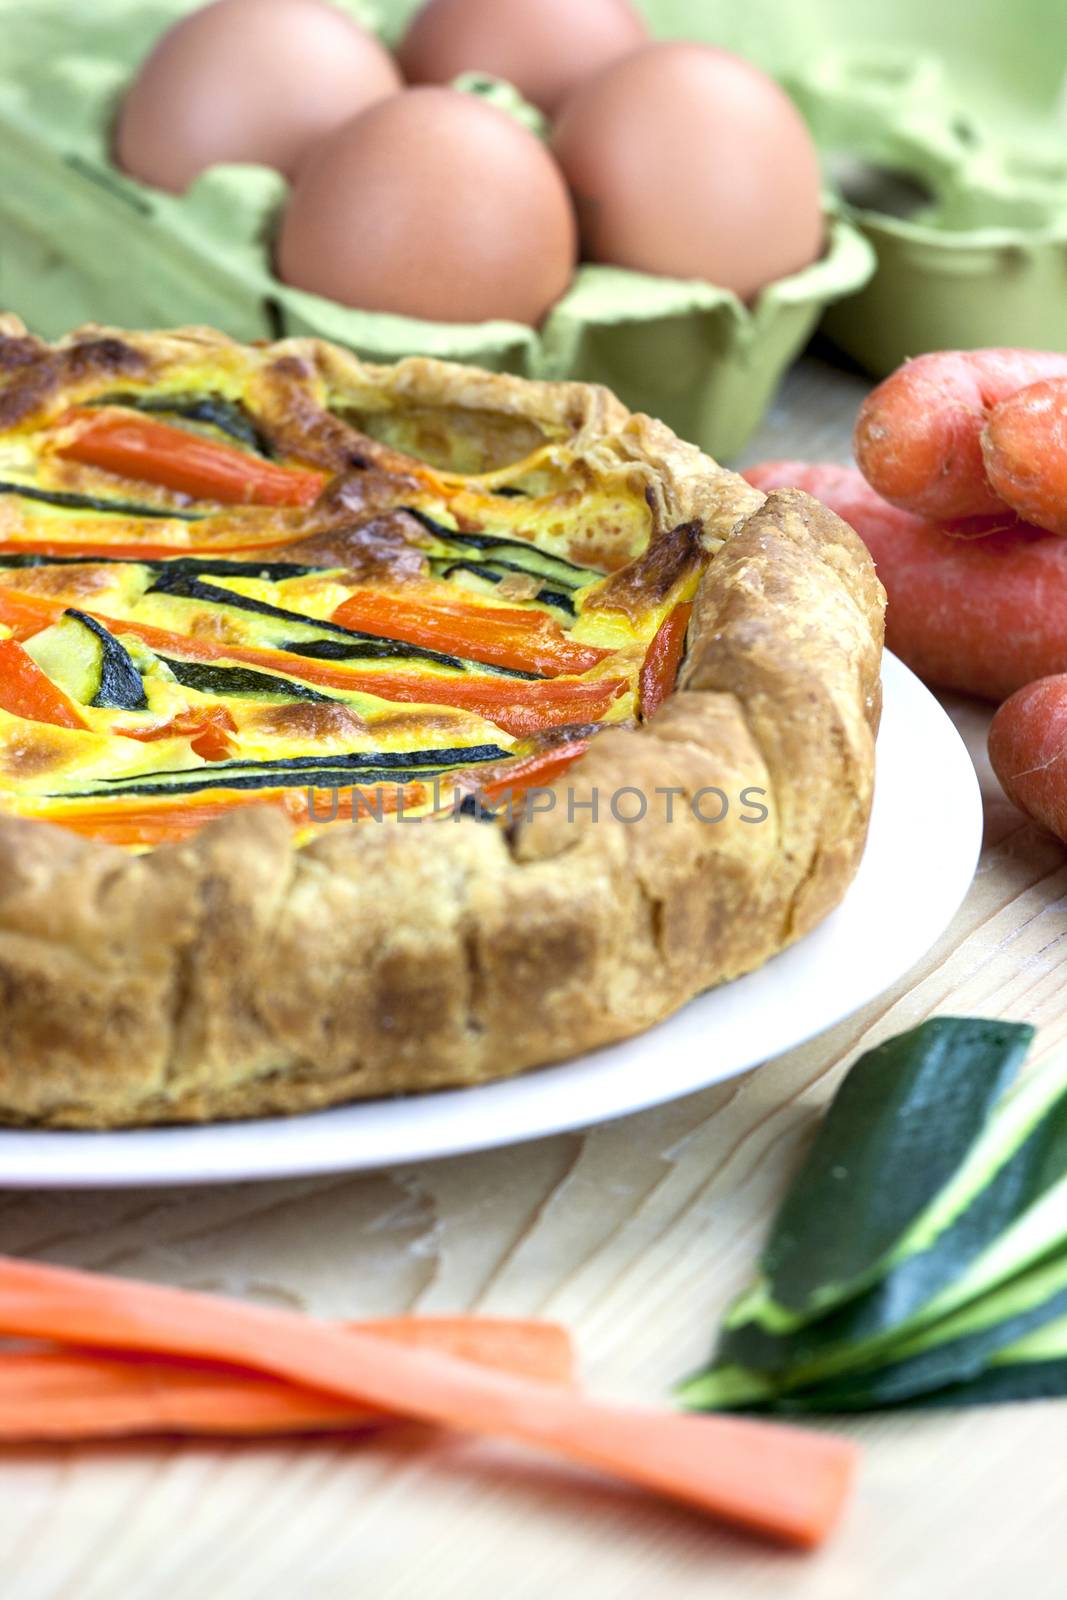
[773, 1479]
[498, 635]
[1028, 751]
[69, 1394]
[1024, 448]
[155, 452]
[26, 691]
[918, 435]
[983, 616]
[660, 668]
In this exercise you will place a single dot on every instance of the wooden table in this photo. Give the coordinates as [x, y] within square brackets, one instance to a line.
[635, 1234]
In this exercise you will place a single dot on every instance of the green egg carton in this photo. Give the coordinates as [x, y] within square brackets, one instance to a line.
[81, 241]
[976, 253]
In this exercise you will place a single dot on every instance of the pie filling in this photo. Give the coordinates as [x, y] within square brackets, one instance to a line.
[203, 608]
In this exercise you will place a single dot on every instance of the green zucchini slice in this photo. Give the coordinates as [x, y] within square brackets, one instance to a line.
[1004, 1211]
[495, 573]
[962, 1293]
[1033, 1368]
[242, 682]
[958, 1349]
[88, 502]
[228, 416]
[344, 771]
[900, 1126]
[88, 663]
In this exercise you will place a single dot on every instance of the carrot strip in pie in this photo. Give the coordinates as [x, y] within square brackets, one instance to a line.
[207, 728]
[148, 823]
[26, 615]
[539, 769]
[174, 458]
[777, 1480]
[663, 657]
[25, 691]
[56, 1393]
[500, 636]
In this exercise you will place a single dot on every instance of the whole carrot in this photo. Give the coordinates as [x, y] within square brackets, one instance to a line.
[918, 437]
[983, 616]
[1028, 750]
[1024, 447]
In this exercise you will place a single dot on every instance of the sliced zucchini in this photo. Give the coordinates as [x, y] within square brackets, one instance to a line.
[88, 663]
[367, 647]
[1032, 1368]
[1003, 1211]
[229, 682]
[208, 566]
[325, 771]
[957, 1349]
[519, 553]
[88, 502]
[520, 556]
[976, 1282]
[900, 1126]
[228, 416]
[496, 572]
[71, 656]
[461, 755]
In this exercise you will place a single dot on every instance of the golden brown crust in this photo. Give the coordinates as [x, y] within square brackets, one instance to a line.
[233, 976]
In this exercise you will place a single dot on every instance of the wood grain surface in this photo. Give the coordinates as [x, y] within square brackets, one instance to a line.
[635, 1234]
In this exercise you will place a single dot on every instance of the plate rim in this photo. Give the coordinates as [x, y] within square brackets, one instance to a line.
[502, 1113]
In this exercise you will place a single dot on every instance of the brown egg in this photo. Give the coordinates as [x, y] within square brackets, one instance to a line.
[686, 161]
[247, 80]
[543, 47]
[432, 204]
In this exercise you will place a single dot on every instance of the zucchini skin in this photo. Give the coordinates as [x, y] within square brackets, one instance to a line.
[88, 502]
[226, 415]
[495, 574]
[225, 681]
[526, 557]
[208, 566]
[121, 686]
[466, 755]
[959, 1360]
[323, 778]
[885, 1149]
[360, 768]
[370, 648]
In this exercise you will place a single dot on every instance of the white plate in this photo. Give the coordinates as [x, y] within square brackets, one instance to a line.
[920, 858]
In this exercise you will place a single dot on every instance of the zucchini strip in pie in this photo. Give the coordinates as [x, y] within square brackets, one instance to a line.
[252, 596]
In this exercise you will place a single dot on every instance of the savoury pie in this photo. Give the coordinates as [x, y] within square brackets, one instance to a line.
[379, 729]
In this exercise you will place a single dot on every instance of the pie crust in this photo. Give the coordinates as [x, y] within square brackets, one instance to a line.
[232, 975]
